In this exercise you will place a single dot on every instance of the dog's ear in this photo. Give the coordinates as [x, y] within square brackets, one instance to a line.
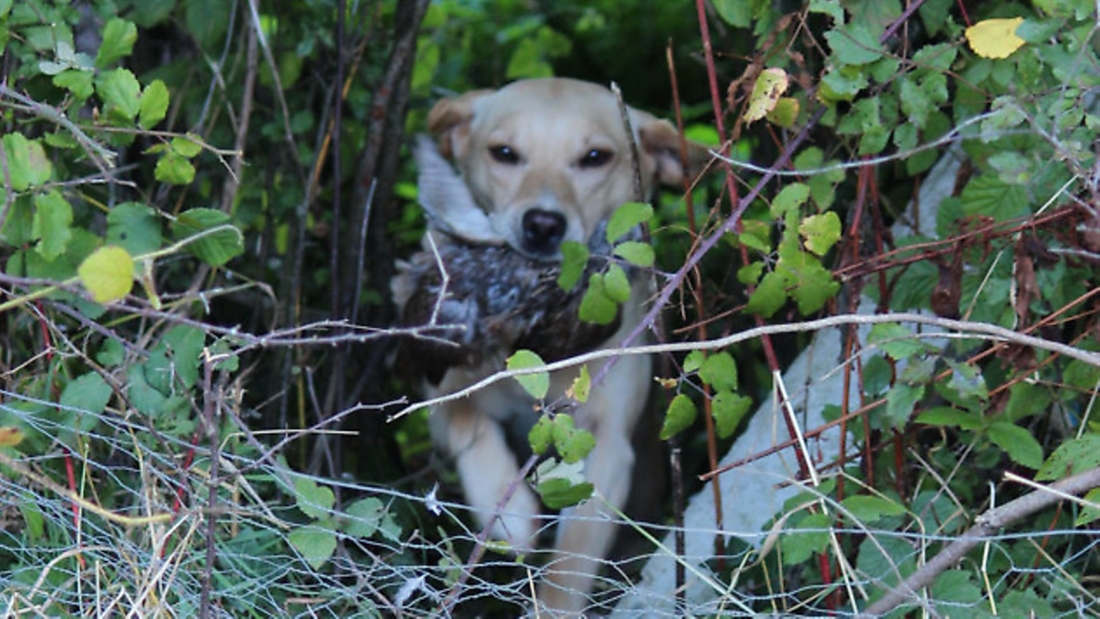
[450, 119]
[662, 142]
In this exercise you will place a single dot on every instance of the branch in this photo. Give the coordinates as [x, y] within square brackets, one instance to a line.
[986, 524]
[965, 328]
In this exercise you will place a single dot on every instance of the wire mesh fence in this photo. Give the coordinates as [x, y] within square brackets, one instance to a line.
[123, 520]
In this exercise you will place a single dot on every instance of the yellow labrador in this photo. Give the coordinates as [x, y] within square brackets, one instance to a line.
[547, 161]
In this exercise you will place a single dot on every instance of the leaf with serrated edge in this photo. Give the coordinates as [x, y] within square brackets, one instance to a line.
[312, 498]
[636, 253]
[616, 284]
[536, 384]
[118, 37]
[315, 544]
[681, 414]
[1018, 443]
[625, 218]
[154, 104]
[574, 258]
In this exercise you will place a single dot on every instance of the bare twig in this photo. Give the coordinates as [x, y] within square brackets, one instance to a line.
[963, 327]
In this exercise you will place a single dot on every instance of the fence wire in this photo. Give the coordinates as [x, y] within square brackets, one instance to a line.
[135, 531]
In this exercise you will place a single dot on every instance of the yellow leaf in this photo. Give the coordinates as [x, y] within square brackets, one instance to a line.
[785, 112]
[995, 38]
[10, 437]
[771, 84]
[581, 386]
[108, 273]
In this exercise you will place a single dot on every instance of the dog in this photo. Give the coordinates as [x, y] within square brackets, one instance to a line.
[545, 161]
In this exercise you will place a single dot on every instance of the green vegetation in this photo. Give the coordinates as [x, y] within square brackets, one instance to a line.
[202, 201]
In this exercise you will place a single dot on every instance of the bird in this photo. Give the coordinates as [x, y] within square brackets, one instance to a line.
[473, 298]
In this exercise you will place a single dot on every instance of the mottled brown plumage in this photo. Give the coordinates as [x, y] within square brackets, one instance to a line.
[495, 300]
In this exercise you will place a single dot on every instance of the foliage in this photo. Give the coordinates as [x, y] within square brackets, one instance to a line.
[188, 228]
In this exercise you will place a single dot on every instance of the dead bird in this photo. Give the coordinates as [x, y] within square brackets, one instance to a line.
[479, 299]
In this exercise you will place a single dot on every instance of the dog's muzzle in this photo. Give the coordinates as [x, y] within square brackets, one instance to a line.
[543, 231]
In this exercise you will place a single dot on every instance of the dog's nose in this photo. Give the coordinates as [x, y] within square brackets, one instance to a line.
[542, 231]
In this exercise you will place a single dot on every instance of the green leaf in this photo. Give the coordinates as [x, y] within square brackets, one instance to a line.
[749, 274]
[135, 227]
[616, 284]
[914, 102]
[769, 296]
[1089, 514]
[154, 105]
[809, 283]
[900, 402]
[811, 535]
[88, 392]
[77, 82]
[789, 199]
[536, 384]
[121, 93]
[719, 371]
[1018, 443]
[854, 44]
[950, 417]
[896, 340]
[955, 588]
[174, 169]
[573, 444]
[990, 196]
[315, 544]
[596, 306]
[364, 516]
[108, 273]
[183, 345]
[561, 484]
[541, 435]
[27, 162]
[147, 399]
[820, 232]
[118, 37]
[1071, 457]
[681, 414]
[636, 253]
[694, 360]
[53, 218]
[574, 259]
[887, 557]
[314, 500]
[186, 145]
[214, 248]
[868, 509]
[756, 235]
[967, 380]
[625, 218]
[729, 409]
[559, 493]
[737, 13]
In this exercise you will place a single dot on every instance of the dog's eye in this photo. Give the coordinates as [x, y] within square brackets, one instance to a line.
[595, 158]
[504, 154]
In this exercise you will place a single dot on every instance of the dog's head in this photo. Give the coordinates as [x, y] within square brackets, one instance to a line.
[549, 159]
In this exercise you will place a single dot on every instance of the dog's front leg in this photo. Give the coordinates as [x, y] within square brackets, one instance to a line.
[488, 470]
[586, 533]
